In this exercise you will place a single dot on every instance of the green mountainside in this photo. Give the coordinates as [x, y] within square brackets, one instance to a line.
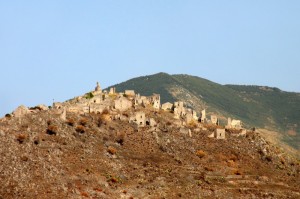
[256, 106]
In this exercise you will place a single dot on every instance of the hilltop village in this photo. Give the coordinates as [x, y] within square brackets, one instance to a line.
[98, 101]
[109, 144]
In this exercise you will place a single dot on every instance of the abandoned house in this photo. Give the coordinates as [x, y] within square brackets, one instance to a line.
[140, 118]
[122, 104]
[179, 110]
[218, 134]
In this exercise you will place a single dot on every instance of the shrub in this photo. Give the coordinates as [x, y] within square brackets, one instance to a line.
[52, 130]
[36, 140]
[112, 178]
[85, 194]
[80, 129]
[105, 111]
[8, 115]
[89, 95]
[98, 189]
[83, 121]
[209, 169]
[21, 138]
[120, 138]
[99, 121]
[70, 122]
[24, 158]
[111, 150]
[200, 153]
[237, 172]
[269, 158]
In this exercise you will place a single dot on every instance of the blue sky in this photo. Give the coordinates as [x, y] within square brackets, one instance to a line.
[59, 49]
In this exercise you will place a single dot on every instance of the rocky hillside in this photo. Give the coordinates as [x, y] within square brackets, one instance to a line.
[256, 106]
[104, 156]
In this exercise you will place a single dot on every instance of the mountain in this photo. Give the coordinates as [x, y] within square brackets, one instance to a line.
[63, 153]
[257, 106]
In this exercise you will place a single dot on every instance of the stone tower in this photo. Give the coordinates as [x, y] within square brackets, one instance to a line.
[98, 88]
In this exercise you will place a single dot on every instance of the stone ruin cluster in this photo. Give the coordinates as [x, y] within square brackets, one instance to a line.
[98, 101]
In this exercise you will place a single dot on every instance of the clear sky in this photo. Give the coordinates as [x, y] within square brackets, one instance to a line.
[57, 49]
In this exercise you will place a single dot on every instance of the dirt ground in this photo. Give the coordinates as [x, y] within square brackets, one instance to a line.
[97, 156]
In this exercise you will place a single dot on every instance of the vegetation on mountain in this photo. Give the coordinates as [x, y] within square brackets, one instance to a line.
[256, 106]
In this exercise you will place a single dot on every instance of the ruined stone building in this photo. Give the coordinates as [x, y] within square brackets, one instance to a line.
[179, 110]
[155, 101]
[203, 116]
[218, 134]
[191, 116]
[122, 104]
[140, 118]
[214, 119]
[112, 91]
[167, 106]
[235, 124]
[98, 89]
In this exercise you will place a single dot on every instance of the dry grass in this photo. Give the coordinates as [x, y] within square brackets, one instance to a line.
[192, 124]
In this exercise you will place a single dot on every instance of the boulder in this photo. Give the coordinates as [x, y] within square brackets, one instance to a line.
[21, 111]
